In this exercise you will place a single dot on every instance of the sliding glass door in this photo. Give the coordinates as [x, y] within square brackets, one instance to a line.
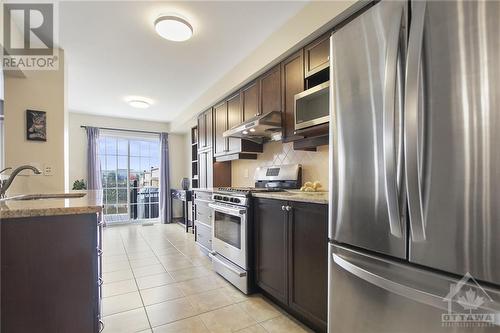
[129, 170]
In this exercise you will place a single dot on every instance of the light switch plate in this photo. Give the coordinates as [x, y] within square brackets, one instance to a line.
[48, 170]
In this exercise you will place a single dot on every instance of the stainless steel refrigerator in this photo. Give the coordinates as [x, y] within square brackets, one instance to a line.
[415, 169]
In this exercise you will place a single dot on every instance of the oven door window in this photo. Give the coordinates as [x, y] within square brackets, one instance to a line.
[228, 229]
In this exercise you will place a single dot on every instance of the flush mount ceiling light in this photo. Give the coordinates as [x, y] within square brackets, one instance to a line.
[173, 28]
[139, 102]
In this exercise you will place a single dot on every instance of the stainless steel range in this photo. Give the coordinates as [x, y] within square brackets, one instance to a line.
[232, 232]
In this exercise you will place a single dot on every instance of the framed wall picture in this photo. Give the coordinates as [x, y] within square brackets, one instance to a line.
[36, 125]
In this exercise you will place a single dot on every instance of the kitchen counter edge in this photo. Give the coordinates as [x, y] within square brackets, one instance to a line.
[309, 197]
[89, 204]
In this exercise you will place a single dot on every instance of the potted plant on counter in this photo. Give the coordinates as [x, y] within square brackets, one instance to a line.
[79, 185]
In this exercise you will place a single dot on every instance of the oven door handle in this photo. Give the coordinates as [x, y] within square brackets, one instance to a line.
[231, 211]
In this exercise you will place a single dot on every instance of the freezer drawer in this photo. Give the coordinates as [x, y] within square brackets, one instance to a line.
[369, 294]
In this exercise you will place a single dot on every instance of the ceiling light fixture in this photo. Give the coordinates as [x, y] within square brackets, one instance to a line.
[139, 102]
[173, 28]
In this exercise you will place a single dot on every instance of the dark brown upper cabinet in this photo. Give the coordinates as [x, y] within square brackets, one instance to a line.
[270, 91]
[202, 131]
[263, 95]
[205, 130]
[275, 90]
[250, 100]
[234, 117]
[292, 72]
[317, 55]
[210, 128]
[226, 115]
[220, 126]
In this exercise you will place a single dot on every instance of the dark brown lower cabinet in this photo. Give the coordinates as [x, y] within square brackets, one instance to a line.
[50, 274]
[308, 262]
[271, 248]
[291, 241]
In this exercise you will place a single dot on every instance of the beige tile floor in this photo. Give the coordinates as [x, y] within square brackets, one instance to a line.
[157, 280]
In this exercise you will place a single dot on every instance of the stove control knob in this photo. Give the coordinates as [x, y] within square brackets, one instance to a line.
[225, 198]
[236, 200]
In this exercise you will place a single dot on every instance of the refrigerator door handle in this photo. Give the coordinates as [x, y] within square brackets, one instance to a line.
[389, 147]
[411, 123]
[336, 191]
[420, 296]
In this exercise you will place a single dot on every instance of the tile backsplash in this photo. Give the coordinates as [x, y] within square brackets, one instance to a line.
[314, 164]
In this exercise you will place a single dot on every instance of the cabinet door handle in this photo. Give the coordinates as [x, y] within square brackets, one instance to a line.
[283, 208]
[288, 208]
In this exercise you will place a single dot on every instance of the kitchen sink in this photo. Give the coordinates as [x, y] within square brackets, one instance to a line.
[46, 196]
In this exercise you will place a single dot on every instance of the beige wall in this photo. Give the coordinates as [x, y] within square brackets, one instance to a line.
[314, 164]
[44, 91]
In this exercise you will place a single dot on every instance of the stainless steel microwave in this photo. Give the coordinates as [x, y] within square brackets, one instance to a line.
[312, 106]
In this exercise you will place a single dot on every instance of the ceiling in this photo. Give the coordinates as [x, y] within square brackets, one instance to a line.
[112, 51]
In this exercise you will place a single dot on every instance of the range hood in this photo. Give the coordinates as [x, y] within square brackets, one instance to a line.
[259, 129]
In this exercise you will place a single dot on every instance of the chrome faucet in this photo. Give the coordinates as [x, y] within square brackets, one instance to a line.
[3, 170]
[5, 184]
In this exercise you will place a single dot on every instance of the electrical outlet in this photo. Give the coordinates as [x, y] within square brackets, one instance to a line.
[48, 170]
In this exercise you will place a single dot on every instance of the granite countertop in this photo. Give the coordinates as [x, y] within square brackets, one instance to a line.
[88, 204]
[295, 195]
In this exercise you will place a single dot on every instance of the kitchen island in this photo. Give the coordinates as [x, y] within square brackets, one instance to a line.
[50, 259]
